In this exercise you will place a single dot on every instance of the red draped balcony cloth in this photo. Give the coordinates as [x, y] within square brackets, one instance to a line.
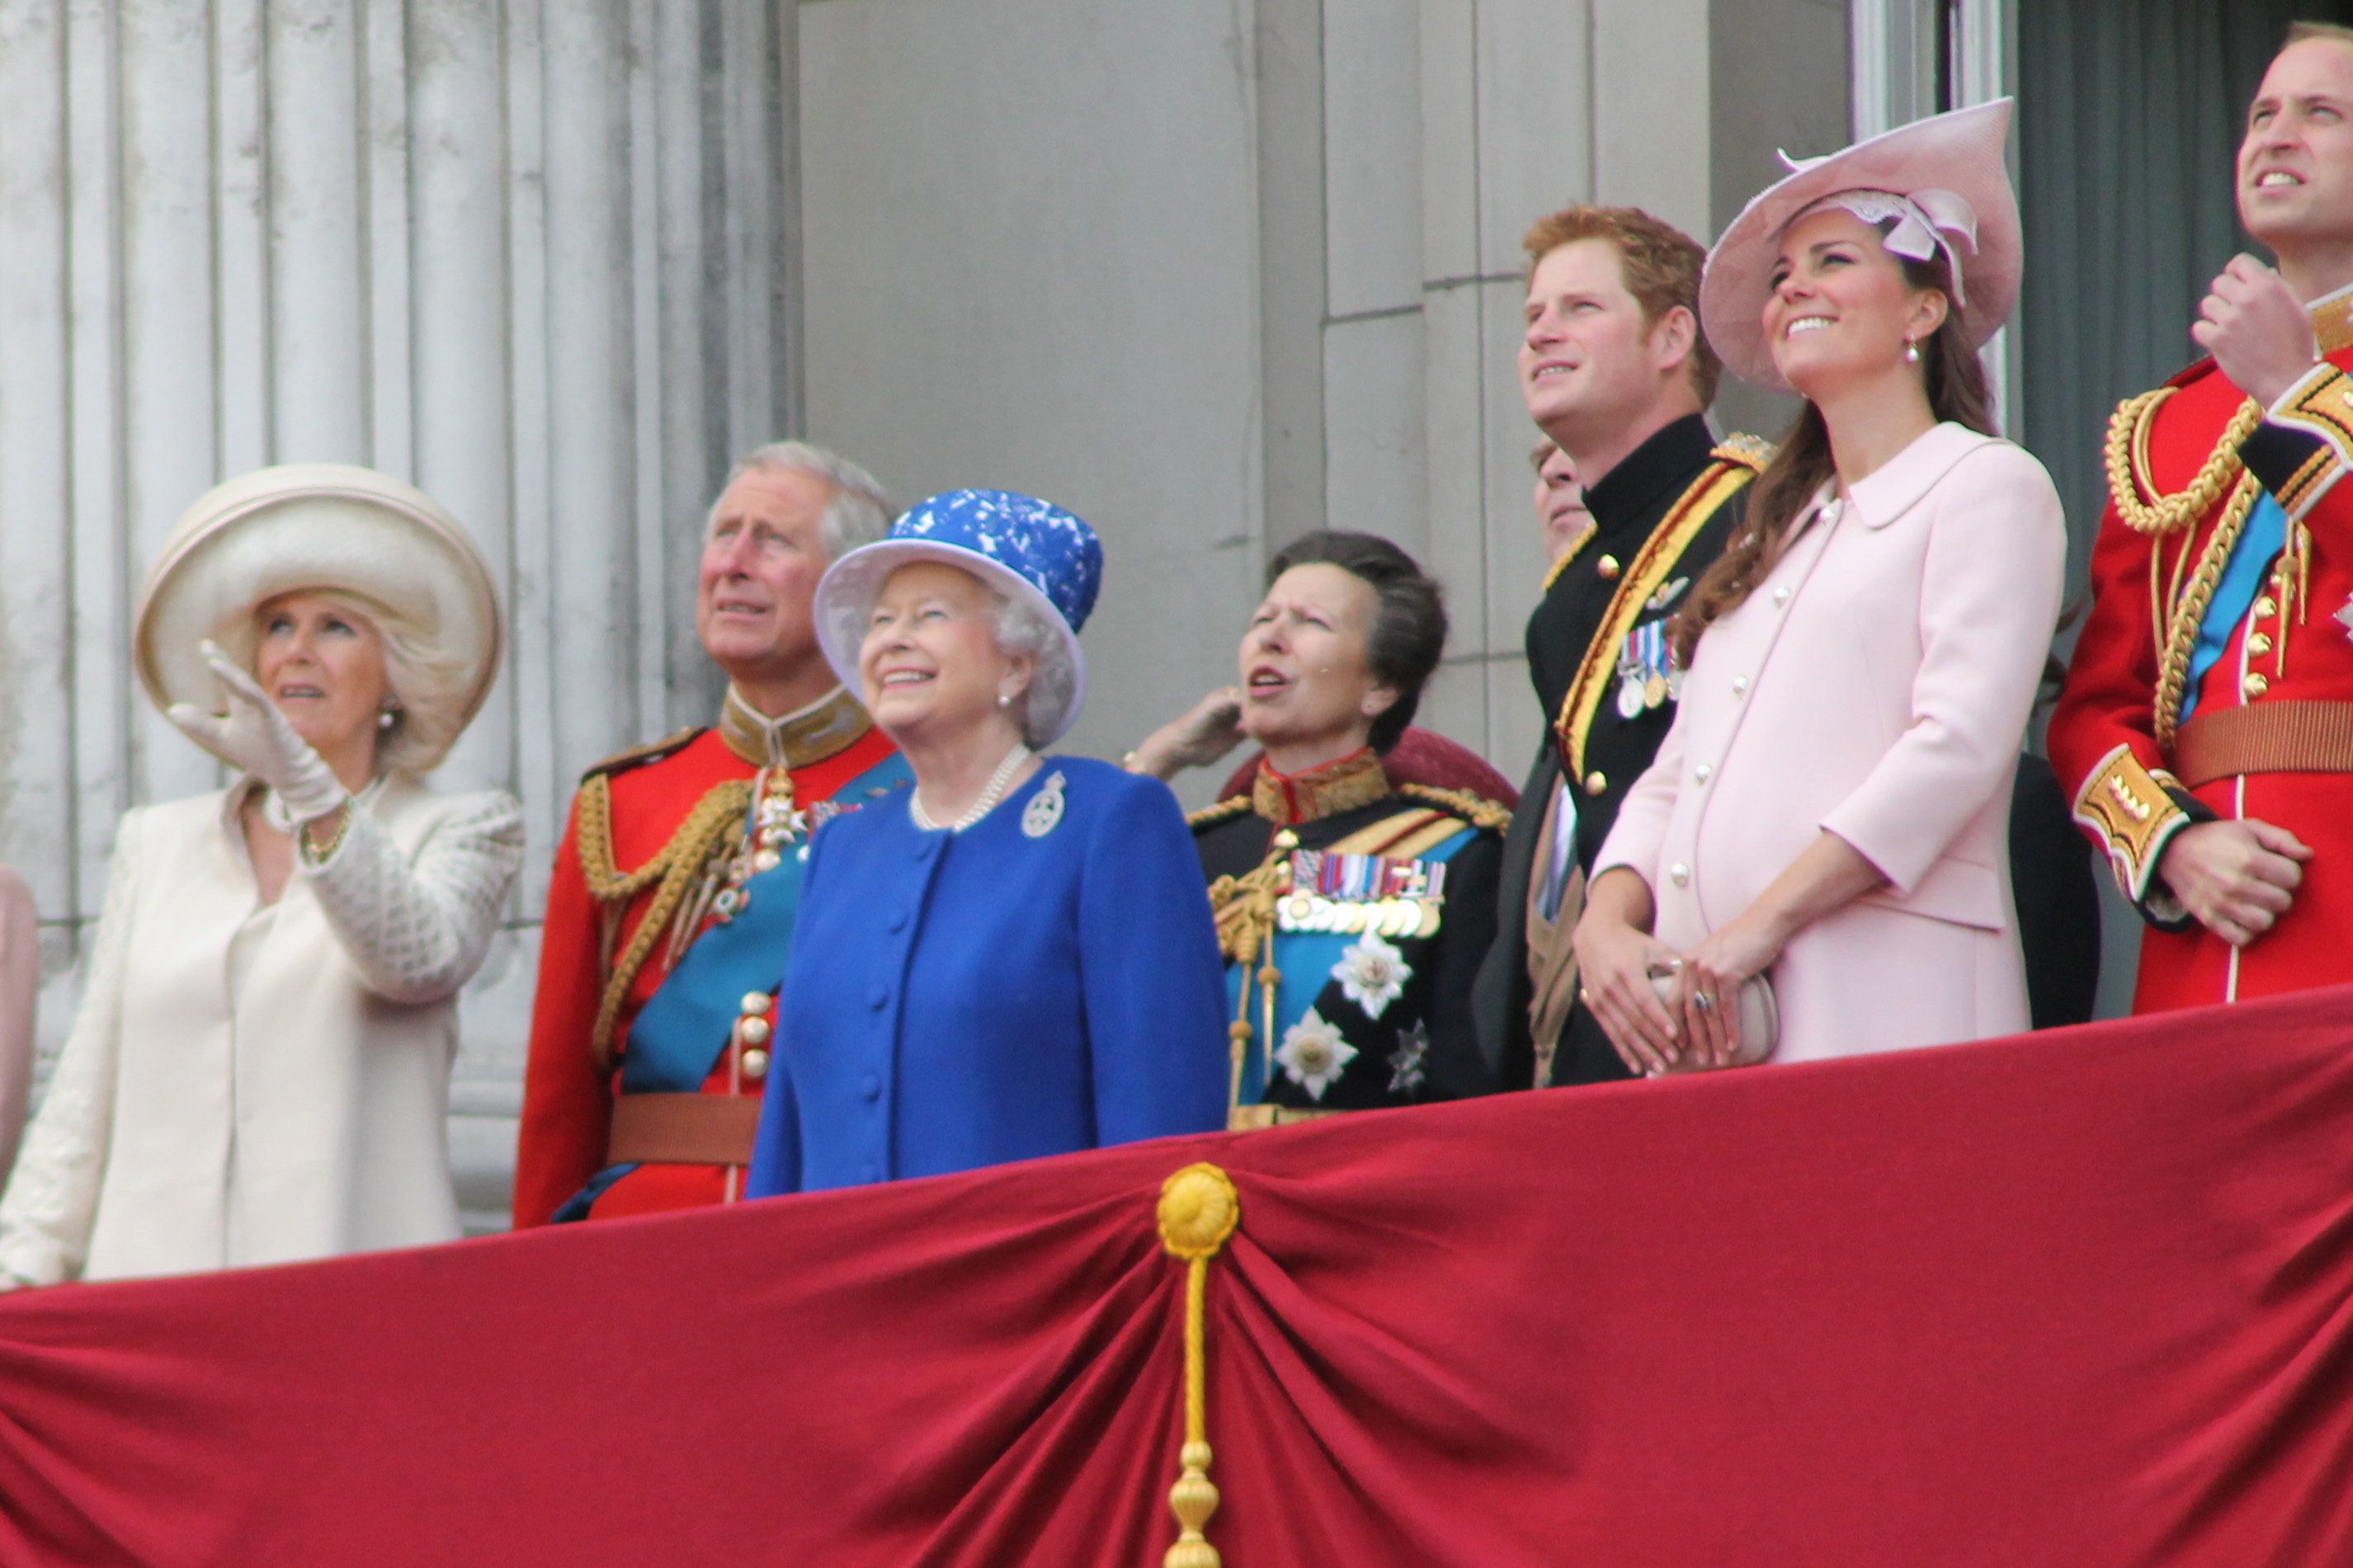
[2077, 1300]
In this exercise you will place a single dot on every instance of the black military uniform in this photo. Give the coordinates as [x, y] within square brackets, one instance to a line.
[1353, 915]
[1597, 655]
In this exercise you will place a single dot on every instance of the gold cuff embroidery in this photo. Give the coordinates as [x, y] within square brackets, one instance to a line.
[2320, 405]
[2126, 805]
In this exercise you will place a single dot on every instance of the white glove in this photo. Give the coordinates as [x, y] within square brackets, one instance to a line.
[255, 736]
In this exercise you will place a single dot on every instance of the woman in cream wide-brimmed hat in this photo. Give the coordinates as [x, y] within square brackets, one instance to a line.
[260, 1069]
[1830, 807]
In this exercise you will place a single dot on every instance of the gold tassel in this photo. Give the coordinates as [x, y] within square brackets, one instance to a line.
[1199, 1210]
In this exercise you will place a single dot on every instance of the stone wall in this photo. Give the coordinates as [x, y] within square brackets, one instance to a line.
[1210, 272]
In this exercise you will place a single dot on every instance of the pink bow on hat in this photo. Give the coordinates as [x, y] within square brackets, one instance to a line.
[1925, 222]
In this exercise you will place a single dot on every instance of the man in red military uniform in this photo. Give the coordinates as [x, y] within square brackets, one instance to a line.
[669, 913]
[2206, 727]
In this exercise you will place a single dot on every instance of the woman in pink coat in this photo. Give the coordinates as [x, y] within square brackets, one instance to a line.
[1831, 805]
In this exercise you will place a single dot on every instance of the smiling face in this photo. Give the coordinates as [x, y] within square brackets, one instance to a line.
[1842, 309]
[761, 563]
[323, 666]
[930, 664]
[2296, 165]
[1560, 503]
[1308, 689]
[1588, 358]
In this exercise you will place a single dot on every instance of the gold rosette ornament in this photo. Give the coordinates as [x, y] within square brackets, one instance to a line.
[1199, 1210]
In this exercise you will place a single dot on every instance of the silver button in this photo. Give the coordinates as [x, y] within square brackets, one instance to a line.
[1703, 773]
[1740, 686]
[1679, 873]
[1781, 595]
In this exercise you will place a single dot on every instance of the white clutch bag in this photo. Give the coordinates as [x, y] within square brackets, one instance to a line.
[1759, 1019]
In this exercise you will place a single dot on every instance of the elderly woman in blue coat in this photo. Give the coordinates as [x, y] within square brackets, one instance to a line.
[1012, 958]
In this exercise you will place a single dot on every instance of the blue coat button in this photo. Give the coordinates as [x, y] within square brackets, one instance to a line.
[870, 1087]
[870, 1172]
[877, 996]
[898, 921]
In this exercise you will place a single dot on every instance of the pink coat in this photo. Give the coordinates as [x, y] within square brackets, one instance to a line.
[1876, 684]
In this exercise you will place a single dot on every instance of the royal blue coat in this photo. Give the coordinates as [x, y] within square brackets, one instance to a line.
[1043, 982]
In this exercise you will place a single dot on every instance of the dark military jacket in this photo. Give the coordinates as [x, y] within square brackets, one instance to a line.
[1663, 513]
[1409, 1042]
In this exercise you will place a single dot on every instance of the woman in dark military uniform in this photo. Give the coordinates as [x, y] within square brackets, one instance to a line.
[1353, 914]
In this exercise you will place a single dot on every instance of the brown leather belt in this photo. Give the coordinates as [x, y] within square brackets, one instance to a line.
[2286, 737]
[682, 1130]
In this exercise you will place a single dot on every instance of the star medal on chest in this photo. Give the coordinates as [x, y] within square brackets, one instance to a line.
[1044, 811]
[1646, 673]
[773, 825]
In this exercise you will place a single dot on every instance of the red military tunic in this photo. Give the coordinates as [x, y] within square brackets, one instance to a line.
[2271, 735]
[569, 1087]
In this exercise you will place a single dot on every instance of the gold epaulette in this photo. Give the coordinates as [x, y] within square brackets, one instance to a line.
[638, 756]
[1753, 451]
[1233, 805]
[1476, 810]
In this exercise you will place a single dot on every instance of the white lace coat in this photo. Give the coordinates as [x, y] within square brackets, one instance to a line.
[177, 1136]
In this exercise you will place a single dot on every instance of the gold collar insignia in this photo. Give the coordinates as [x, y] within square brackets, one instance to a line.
[1288, 799]
[826, 728]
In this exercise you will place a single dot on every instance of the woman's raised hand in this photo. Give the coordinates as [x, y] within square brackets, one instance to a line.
[1615, 958]
[1199, 736]
[255, 736]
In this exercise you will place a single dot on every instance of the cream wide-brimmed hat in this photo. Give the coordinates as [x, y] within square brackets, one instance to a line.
[321, 526]
[1949, 190]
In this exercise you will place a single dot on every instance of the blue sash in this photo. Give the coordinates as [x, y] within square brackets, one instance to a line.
[1305, 961]
[685, 1025]
[2242, 577]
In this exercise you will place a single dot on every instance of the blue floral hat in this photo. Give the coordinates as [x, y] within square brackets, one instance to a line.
[1025, 548]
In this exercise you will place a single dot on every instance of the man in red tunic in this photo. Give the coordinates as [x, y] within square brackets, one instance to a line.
[669, 913]
[2207, 728]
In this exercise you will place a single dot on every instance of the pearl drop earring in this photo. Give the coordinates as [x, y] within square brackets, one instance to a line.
[1911, 352]
[1003, 700]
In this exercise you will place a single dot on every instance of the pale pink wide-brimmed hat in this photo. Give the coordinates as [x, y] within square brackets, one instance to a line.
[1954, 195]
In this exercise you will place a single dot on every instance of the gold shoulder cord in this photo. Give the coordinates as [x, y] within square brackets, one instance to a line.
[673, 867]
[2176, 605]
[1475, 810]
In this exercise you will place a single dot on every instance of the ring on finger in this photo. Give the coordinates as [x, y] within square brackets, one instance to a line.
[1702, 1001]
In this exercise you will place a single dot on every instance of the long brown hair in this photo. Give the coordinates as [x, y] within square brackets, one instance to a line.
[1956, 391]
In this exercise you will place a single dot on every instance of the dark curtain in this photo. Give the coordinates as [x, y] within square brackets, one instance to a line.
[2129, 118]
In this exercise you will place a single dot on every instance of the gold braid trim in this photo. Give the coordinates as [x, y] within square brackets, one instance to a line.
[1233, 805]
[2129, 475]
[1476, 810]
[2189, 606]
[1723, 479]
[674, 868]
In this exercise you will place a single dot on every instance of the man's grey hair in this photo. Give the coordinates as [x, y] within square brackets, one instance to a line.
[856, 515]
[1022, 628]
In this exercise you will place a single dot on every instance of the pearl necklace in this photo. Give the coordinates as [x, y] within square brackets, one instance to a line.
[990, 795]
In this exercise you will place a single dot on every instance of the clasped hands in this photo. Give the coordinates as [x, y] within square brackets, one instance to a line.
[1616, 960]
[2237, 878]
[255, 736]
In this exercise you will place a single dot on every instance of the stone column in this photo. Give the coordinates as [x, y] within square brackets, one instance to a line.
[533, 255]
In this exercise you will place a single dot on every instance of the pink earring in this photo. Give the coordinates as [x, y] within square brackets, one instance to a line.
[1911, 352]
